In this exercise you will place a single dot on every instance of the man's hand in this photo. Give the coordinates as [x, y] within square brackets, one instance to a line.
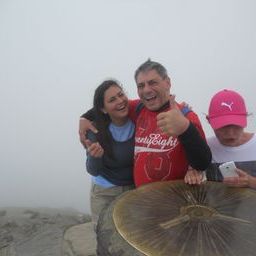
[172, 122]
[243, 179]
[94, 149]
[184, 104]
[84, 126]
[194, 177]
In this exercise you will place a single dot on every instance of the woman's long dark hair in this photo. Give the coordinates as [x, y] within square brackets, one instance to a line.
[103, 120]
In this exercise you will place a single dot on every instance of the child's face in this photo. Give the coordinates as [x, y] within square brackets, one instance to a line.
[230, 135]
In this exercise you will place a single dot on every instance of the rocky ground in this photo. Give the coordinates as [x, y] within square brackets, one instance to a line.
[41, 231]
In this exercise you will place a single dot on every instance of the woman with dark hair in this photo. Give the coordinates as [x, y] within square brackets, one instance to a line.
[110, 152]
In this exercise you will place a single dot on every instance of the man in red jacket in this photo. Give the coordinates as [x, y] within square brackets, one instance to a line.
[167, 140]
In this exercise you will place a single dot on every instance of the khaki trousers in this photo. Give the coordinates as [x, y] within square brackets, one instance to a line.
[101, 197]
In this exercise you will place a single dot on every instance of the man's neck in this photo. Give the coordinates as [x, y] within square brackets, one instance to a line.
[163, 107]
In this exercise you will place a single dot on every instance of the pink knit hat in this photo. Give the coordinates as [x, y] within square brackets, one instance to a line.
[227, 108]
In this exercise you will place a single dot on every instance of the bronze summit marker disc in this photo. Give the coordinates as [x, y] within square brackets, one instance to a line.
[172, 218]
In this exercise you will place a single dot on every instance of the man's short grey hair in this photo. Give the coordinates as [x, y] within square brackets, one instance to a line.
[151, 65]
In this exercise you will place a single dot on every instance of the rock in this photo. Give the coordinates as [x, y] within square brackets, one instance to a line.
[35, 231]
[8, 250]
[110, 242]
[79, 240]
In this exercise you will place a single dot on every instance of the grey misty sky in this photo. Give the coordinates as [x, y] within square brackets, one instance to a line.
[55, 52]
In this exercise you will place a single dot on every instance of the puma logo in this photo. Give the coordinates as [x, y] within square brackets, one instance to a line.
[227, 105]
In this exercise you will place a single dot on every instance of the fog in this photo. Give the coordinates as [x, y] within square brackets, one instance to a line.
[54, 53]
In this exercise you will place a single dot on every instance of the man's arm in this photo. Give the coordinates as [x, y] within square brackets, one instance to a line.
[197, 151]
[90, 115]
[194, 177]
[174, 123]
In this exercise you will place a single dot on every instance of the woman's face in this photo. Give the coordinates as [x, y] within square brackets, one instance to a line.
[116, 105]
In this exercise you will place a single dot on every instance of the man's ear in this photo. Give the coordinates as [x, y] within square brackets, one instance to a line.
[168, 81]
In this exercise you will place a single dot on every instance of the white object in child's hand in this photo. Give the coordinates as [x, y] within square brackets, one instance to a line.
[228, 169]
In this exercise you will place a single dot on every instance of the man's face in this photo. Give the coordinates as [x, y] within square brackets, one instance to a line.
[230, 135]
[153, 90]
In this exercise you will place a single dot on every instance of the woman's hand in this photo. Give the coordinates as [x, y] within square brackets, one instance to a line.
[94, 149]
[84, 126]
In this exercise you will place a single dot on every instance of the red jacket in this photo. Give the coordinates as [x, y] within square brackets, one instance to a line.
[157, 157]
